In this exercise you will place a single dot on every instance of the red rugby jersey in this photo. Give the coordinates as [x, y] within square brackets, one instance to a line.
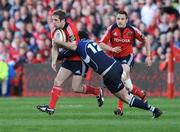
[71, 36]
[123, 38]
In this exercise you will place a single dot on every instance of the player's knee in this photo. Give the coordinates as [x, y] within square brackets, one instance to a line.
[123, 76]
[57, 82]
[128, 84]
[124, 95]
[126, 68]
[77, 89]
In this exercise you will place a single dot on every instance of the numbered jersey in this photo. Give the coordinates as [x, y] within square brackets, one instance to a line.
[93, 56]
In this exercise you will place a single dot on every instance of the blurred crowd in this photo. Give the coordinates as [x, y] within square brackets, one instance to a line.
[26, 25]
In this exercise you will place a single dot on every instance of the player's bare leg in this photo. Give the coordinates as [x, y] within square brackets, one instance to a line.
[63, 74]
[133, 88]
[130, 87]
[56, 91]
[119, 110]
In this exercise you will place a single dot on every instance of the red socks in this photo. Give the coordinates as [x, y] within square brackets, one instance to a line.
[55, 93]
[91, 90]
[136, 91]
[120, 105]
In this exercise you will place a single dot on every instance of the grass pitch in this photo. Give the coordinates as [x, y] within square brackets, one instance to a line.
[83, 115]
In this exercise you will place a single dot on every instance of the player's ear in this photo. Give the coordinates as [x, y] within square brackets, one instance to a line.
[63, 20]
[127, 20]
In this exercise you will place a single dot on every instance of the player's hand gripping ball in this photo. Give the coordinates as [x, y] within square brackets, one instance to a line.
[59, 35]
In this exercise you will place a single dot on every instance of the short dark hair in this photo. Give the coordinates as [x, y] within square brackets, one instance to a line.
[83, 35]
[60, 13]
[123, 12]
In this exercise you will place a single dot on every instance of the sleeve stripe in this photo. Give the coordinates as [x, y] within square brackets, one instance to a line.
[63, 35]
[73, 32]
[69, 30]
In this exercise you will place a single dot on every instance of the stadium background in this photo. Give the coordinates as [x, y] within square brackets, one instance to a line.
[25, 39]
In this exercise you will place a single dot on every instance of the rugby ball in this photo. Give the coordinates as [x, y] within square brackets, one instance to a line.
[60, 35]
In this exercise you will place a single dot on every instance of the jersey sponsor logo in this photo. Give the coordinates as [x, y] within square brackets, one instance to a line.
[115, 34]
[129, 33]
[72, 38]
[122, 40]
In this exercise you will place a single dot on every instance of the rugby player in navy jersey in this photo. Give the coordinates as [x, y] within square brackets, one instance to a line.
[121, 36]
[111, 70]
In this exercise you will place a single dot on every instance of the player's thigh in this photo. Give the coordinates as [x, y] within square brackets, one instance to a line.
[126, 70]
[76, 83]
[66, 69]
[63, 74]
[79, 72]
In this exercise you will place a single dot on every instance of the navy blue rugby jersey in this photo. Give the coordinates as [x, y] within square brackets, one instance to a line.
[93, 56]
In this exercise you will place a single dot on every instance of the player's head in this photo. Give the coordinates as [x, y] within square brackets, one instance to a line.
[83, 35]
[59, 18]
[121, 19]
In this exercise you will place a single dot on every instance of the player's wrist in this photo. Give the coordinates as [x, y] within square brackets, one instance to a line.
[111, 49]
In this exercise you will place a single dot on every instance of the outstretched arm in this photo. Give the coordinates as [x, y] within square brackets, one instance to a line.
[148, 52]
[106, 47]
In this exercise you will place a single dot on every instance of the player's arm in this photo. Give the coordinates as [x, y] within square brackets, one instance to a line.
[148, 52]
[106, 47]
[148, 48]
[54, 55]
[143, 39]
[104, 40]
[68, 45]
[66, 53]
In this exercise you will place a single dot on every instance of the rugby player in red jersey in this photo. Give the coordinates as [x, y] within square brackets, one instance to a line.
[70, 66]
[121, 36]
